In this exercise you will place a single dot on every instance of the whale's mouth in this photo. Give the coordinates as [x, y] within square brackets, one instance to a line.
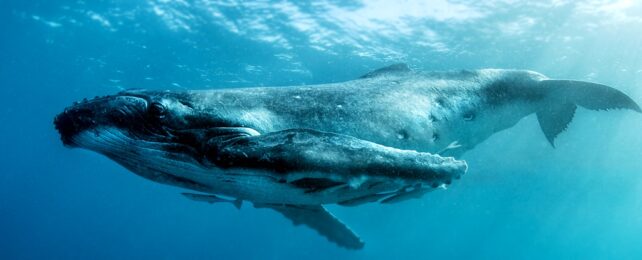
[78, 129]
[120, 146]
[126, 129]
[111, 141]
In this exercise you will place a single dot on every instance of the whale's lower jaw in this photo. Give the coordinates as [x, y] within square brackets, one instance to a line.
[148, 159]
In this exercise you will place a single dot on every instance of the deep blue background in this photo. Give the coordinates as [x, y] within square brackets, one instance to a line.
[521, 198]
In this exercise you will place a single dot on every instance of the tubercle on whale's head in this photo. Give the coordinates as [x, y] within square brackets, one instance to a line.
[146, 114]
[120, 111]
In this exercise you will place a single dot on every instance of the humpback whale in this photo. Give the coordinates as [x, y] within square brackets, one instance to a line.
[391, 135]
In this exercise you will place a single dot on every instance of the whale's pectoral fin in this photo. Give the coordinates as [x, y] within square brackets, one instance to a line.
[566, 95]
[319, 219]
[304, 156]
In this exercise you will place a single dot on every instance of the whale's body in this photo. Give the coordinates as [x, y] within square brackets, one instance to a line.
[388, 136]
[393, 111]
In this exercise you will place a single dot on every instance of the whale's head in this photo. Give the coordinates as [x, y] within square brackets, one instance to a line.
[494, 100]
[130, 115]
[152, 133]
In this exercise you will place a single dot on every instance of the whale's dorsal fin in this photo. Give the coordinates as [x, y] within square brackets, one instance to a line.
[319, 219]
[394, 68]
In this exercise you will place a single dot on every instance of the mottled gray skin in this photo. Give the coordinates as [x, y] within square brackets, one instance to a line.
[407, 110]
[447, 113]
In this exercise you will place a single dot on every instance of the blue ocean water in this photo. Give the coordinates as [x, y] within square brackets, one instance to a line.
[521, 198]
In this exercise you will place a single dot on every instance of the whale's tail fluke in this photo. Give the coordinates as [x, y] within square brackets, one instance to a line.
[566, 95]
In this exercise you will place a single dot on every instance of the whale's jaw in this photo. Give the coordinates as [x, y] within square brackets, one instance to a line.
[155, 161]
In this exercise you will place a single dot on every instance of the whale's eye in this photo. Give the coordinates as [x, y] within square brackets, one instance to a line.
[157, 109]
[469, 116]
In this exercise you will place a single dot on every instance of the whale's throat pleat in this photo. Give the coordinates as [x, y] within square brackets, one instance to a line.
[151, 160]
